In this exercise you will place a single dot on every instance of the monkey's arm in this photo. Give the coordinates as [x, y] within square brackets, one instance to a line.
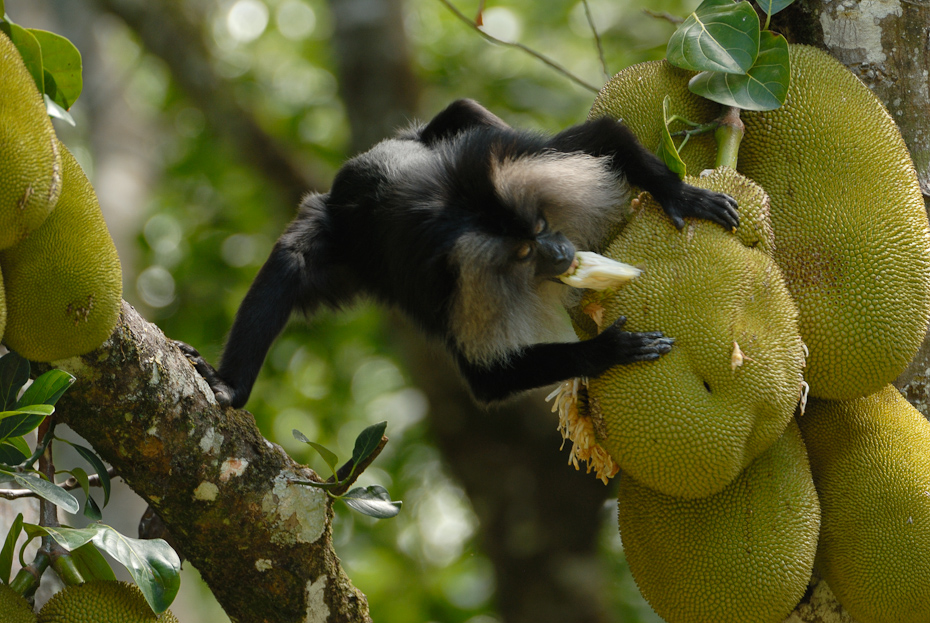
[544, 364]
[262, 315]
[606, 137]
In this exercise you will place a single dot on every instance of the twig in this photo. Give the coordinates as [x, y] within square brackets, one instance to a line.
[551, 63]
[597, 39]
[68, 485]
[674, 19]
[345, 474]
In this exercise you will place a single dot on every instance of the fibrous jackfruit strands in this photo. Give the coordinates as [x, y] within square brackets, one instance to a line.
[850, 227]
[744, 554]
[63, 282]
[30, 165]
[687, 423]
[870, 459]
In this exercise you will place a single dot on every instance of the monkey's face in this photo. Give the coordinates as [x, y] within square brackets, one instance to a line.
[549, 252]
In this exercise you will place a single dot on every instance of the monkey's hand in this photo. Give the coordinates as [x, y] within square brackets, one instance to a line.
[221, 389]
[701, 203]
[628, 347]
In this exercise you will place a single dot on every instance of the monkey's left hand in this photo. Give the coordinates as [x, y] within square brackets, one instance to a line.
[220, 388]
[701, 203]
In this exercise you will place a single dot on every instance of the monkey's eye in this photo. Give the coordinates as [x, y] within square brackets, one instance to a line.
[524, 251]
[540, 227]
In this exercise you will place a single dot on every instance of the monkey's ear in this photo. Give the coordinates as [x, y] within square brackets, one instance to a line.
[460, 115]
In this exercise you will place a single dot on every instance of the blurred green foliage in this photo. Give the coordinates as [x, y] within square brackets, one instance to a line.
[211, 222]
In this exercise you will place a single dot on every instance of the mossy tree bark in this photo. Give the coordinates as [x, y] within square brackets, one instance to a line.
[262, 544]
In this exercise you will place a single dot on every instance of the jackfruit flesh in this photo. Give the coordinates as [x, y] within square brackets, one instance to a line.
[870, 459]
[687, 423]
[851, 231]
[63, 282]
[13, 607]
[30, 165]
[744, 554]
[101, 602]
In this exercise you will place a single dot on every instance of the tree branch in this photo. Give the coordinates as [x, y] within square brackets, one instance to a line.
[68, 485]
[263, 545]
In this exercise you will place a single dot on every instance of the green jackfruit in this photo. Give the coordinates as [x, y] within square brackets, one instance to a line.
[744, 554]
[63, 282]
[30, 165]
[2, 308]
[13, 607]
[101, 602]
[688, 423]
[851, 231]
[871, 463]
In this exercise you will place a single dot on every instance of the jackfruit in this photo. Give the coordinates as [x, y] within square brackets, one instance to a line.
[101, 601]
[13, 607]
[2, 307]
[871, 463]
[851, 231]
[744, 554]
[30, 165]
[687, 423]
[63, 282]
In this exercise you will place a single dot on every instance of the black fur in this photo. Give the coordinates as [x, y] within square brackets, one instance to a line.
[435, 221]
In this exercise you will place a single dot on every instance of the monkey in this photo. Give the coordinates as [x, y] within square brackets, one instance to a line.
[462, 224]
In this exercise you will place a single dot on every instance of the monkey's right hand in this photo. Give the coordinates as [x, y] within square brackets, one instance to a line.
[221, 389]
[628, 347]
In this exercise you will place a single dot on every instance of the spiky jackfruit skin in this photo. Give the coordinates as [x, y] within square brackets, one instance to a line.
[850, 226]
[687, 423]
[870, 459]
[63, 282]
[101, 602]
[744, 554]
[853, 239]
[30, 165]
[13, 607]
[635, 97]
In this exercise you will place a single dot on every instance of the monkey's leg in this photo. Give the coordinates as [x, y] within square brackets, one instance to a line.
[544, 364]
[606, 137]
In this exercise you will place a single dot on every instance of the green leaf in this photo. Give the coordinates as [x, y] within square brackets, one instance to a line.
[88, 455]
[17, 423]
[56, 111]
[718, 36]
[368, 441]
[328, 455]
[152, 563]
[62, 64]
[764, 88]
[29, 49]
[45, 489]
[771, 7]
[47, 389]
[667, 151]
[9, 548]
[91, 510]
[14, 372]
[91, 563]
[14, 451]
[373, 501]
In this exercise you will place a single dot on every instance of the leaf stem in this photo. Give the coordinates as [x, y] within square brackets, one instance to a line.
[729, 134]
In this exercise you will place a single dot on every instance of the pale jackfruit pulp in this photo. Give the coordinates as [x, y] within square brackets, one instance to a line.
[870, 459]
[30, 165]
[63, 282]
[851, 231]
[101, 602]
[687, 423]
[744, 554]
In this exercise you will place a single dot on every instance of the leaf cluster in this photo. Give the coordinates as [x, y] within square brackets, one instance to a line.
[740, 63]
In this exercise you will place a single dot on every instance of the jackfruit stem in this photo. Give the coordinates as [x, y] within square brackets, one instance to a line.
[729, 134]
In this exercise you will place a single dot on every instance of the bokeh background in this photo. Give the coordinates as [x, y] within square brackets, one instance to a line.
[201, 124]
